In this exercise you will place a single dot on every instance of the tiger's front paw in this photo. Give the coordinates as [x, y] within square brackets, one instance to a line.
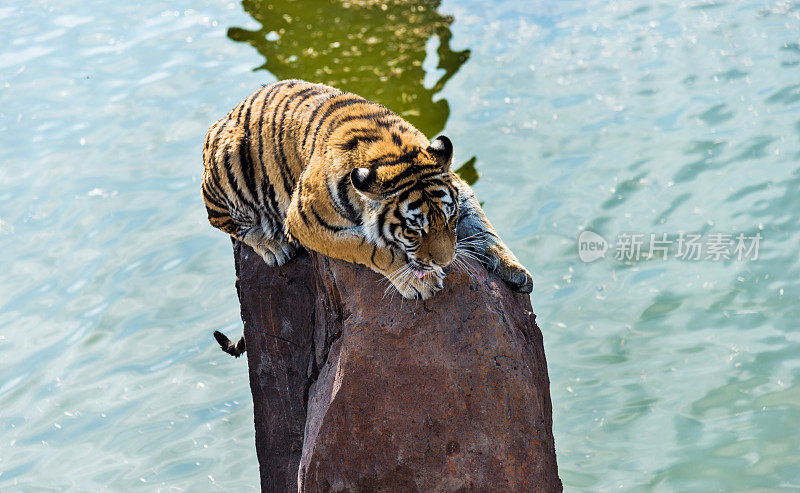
[516, 276]
[511, 272]
[412, 287]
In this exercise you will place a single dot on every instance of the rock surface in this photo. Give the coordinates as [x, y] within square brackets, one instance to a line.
[362, 391]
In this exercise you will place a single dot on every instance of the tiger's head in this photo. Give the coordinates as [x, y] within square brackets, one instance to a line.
[412, 204]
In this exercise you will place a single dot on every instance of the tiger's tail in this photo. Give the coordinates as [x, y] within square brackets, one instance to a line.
[229, 347]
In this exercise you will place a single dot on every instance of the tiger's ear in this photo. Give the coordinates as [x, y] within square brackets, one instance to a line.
[442, 150]
[365, 181]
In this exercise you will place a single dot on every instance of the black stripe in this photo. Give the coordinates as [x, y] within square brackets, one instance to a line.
[305, 94]
[382, 220]
[300, 203]
[215, 179]
[272, 210]
[332, 108]
[348, 98]
[357, 136]
[417, 183]
[267, 192]
[431, 180]
[415, 204]
[385, 124]
[402, 196]
[386, 158]
[217, 190]
[245, 153]
[216, 215]
[408, 172]
[405, 158]
[213, 198]
[233, 183]
[400, 218]
[365, 135]
[343, 194]
[277, 136]
[240, 107]
[350, 145]
[372, 257]
[243, 158]
[393, 230]
[368, 117]
[325, 224]
[311, 121]
[334, 200]
[284, 98]
[276, 212]
[273, 91]
[371, 117]
[225, 225]
[286, 171]
[287, 183]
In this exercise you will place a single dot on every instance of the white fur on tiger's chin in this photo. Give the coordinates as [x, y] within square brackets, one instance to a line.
[417, 284]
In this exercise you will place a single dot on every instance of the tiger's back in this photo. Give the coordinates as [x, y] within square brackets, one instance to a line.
[255, 155]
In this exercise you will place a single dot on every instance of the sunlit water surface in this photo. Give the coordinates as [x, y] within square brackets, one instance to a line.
[629, 116]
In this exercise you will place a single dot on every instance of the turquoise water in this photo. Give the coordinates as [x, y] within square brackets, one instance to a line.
[618, 117]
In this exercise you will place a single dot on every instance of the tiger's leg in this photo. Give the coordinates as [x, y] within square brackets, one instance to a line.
[477, 236]
[234, 203]
[274, 248]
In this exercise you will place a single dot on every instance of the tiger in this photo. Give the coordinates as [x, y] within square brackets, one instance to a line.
[298, 164]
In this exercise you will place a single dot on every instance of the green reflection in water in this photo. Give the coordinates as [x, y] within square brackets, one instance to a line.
[373, 48]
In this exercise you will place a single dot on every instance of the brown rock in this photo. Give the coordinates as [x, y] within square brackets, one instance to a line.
[447, 394]
[278, 336]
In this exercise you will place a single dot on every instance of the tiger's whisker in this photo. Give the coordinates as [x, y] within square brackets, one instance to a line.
[477, 233]
[477, 256]
[470, 270]
[395, 274]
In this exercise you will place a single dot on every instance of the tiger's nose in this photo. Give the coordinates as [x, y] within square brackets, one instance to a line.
[443, 259]
[441, 248]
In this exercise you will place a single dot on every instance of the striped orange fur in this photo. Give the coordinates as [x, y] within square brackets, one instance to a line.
[306, 164]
